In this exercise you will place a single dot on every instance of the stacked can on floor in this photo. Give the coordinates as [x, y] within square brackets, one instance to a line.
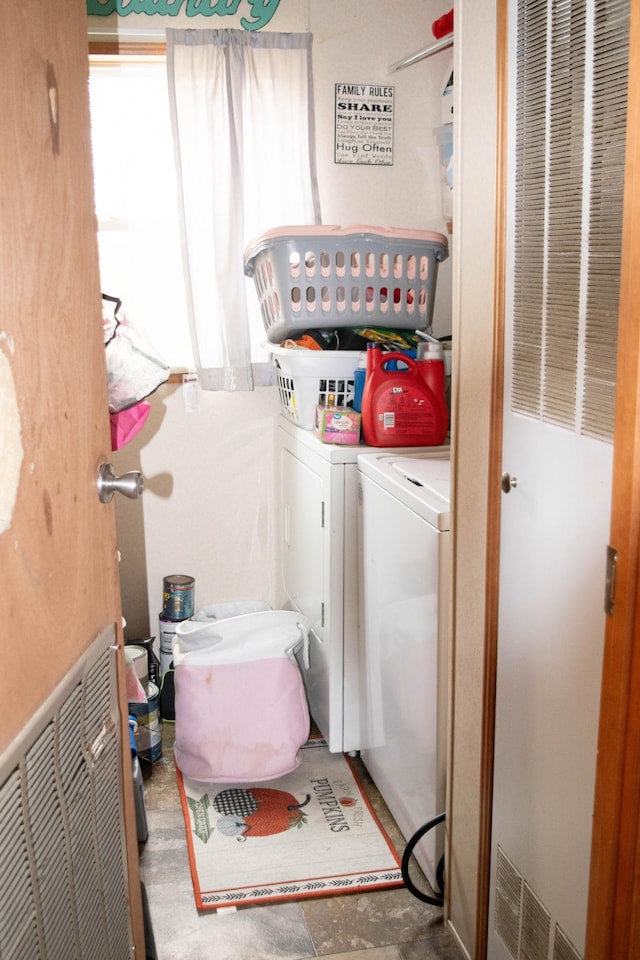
[178, 591]
[146, 712]
[177, 605]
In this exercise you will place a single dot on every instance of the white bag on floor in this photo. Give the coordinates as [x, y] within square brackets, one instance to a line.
[240, 705]
[233, 608]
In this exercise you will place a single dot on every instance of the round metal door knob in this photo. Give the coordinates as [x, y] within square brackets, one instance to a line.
[508, 482]
[129, 484]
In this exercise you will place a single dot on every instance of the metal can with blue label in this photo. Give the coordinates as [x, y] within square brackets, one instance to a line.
[177, 597]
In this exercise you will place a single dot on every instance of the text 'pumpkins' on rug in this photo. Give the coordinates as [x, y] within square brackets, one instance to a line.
[307, 834]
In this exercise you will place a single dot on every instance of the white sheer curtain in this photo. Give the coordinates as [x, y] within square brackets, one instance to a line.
[242, 114]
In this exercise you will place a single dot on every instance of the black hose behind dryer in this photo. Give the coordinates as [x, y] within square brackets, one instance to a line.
[438, 900]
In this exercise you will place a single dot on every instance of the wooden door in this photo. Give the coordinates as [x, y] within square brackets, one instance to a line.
[58, 552]
[614, 902]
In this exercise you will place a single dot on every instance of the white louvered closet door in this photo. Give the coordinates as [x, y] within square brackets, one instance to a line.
[568, 67]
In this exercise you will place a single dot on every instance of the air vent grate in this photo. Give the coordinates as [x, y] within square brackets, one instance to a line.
[62, 842]
[521, 920]
[563, 949]
[508, 900]
[536, 927]
[567, 233]
[18, 927]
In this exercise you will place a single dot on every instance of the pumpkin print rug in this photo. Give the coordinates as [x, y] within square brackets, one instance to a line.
[308, 834]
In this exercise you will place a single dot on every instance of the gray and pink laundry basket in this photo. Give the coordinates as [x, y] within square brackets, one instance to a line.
[241, 711]
[330, 276]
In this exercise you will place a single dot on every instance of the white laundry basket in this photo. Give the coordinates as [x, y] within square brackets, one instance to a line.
[241, 712]
[306, 378]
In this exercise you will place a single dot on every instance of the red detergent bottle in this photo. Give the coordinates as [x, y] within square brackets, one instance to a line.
[403, 402]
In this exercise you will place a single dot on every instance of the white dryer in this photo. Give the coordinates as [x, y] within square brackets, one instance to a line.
[404, 551]
[319, 565]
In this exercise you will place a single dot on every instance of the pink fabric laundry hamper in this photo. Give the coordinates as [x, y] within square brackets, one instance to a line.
[241, 711]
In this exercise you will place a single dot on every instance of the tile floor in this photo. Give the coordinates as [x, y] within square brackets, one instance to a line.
[381, 925]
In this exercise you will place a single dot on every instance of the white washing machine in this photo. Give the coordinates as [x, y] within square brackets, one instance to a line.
[404, 551]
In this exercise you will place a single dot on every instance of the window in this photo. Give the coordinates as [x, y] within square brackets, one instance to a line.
[242, 114]
[136, 201]
[195, 155]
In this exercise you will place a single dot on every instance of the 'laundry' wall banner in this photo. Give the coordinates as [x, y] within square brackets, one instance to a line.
[261, 11]
[364, 124]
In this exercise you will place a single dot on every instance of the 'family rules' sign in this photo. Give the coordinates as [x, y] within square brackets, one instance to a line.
[364, 124]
